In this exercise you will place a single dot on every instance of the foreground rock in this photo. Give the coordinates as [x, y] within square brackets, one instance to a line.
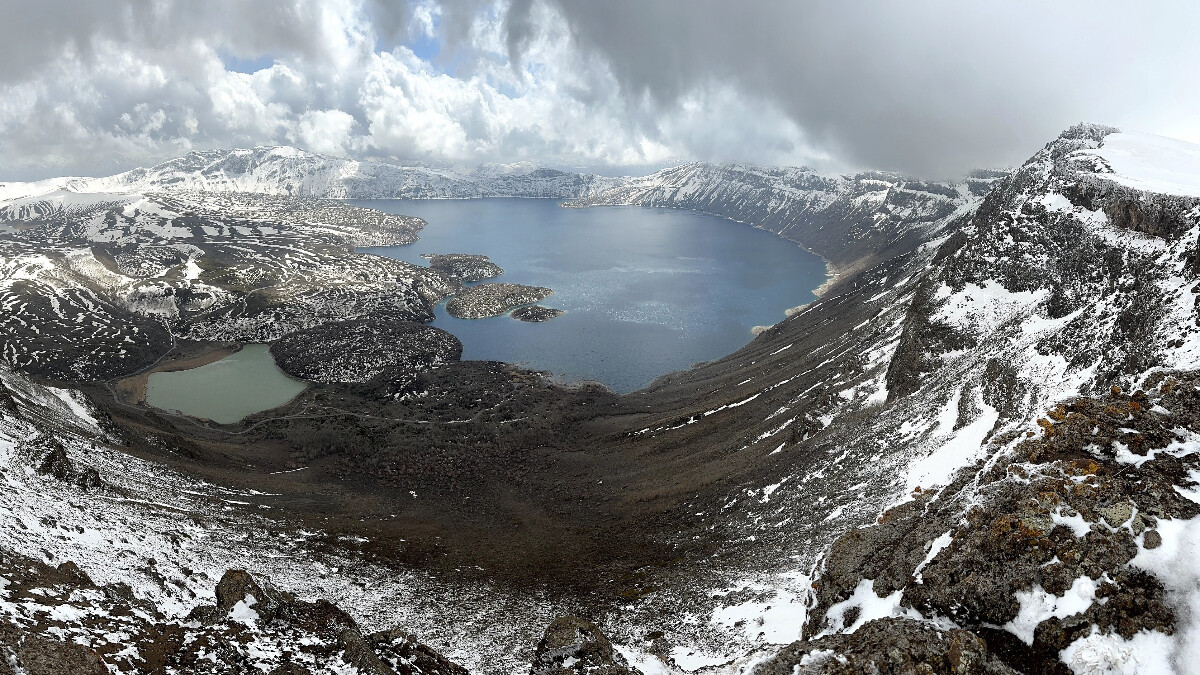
[358, 350]
[536, 313]
[464, 267]
[1057, 557]
[484, 300]
[889, 646]
[55, 620]
[575, 646]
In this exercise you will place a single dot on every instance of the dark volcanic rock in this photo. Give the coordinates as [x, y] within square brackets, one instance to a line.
[128, 635]
[239, 586]
[404, 654]
[891, 645]
[56, 463]
[921, 341]
[1005, 533]
[574, 646]
[484, 300]
[358, 350]
[7, 403]
[535, 313]
[465, 267]
[37, 655]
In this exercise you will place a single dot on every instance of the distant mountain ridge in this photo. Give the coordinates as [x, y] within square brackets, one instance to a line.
[287, 171]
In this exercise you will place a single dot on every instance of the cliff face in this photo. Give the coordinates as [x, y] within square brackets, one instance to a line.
[854, 222]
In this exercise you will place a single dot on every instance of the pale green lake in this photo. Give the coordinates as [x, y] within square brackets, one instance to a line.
[225, 391]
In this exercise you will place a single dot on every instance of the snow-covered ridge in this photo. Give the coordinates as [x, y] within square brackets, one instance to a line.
[293, 172]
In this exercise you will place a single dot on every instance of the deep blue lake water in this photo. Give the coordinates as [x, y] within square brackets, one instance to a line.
[647, 291]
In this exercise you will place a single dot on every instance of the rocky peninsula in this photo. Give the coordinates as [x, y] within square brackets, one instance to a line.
[484, 300]
[358, 350]
[464, 267]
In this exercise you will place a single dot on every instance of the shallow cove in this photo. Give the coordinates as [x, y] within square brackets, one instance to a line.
[647, 291]
[225, 391]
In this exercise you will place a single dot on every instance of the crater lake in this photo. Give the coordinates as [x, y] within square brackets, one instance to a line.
[647, 291]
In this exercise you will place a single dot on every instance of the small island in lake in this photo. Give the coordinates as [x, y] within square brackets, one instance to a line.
[464, 266]
[484, 300]
[534, 313]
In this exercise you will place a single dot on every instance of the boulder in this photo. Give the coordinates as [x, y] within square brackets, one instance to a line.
[575, 646]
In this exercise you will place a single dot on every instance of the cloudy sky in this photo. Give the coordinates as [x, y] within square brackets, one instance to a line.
[929, 88]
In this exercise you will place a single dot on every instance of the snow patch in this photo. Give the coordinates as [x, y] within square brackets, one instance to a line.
[1146, 653]
[871, 607]
[777, 620]
[963, 447]
[1037, 605]
[1152, 163]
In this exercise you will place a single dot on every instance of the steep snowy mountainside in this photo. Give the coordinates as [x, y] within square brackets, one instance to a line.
[293, 172]
[1075, 277]
[852, 221]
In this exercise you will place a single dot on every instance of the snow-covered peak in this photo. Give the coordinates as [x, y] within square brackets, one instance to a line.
[12, 190]
[1151, 163]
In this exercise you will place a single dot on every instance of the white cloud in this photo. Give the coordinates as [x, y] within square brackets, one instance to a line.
[327, 132]
[127, 94]
[89, 91]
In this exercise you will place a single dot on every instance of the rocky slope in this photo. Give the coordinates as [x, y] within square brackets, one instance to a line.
[493, 299]
[1047, 291]
[1060, 553]
[99, 287]
[58, 621]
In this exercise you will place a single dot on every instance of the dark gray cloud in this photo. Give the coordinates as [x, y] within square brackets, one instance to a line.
[926, 87]
[38, 33]
[518, 29]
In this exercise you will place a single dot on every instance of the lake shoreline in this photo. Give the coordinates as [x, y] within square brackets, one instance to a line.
[833, 273]
[191, 354]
